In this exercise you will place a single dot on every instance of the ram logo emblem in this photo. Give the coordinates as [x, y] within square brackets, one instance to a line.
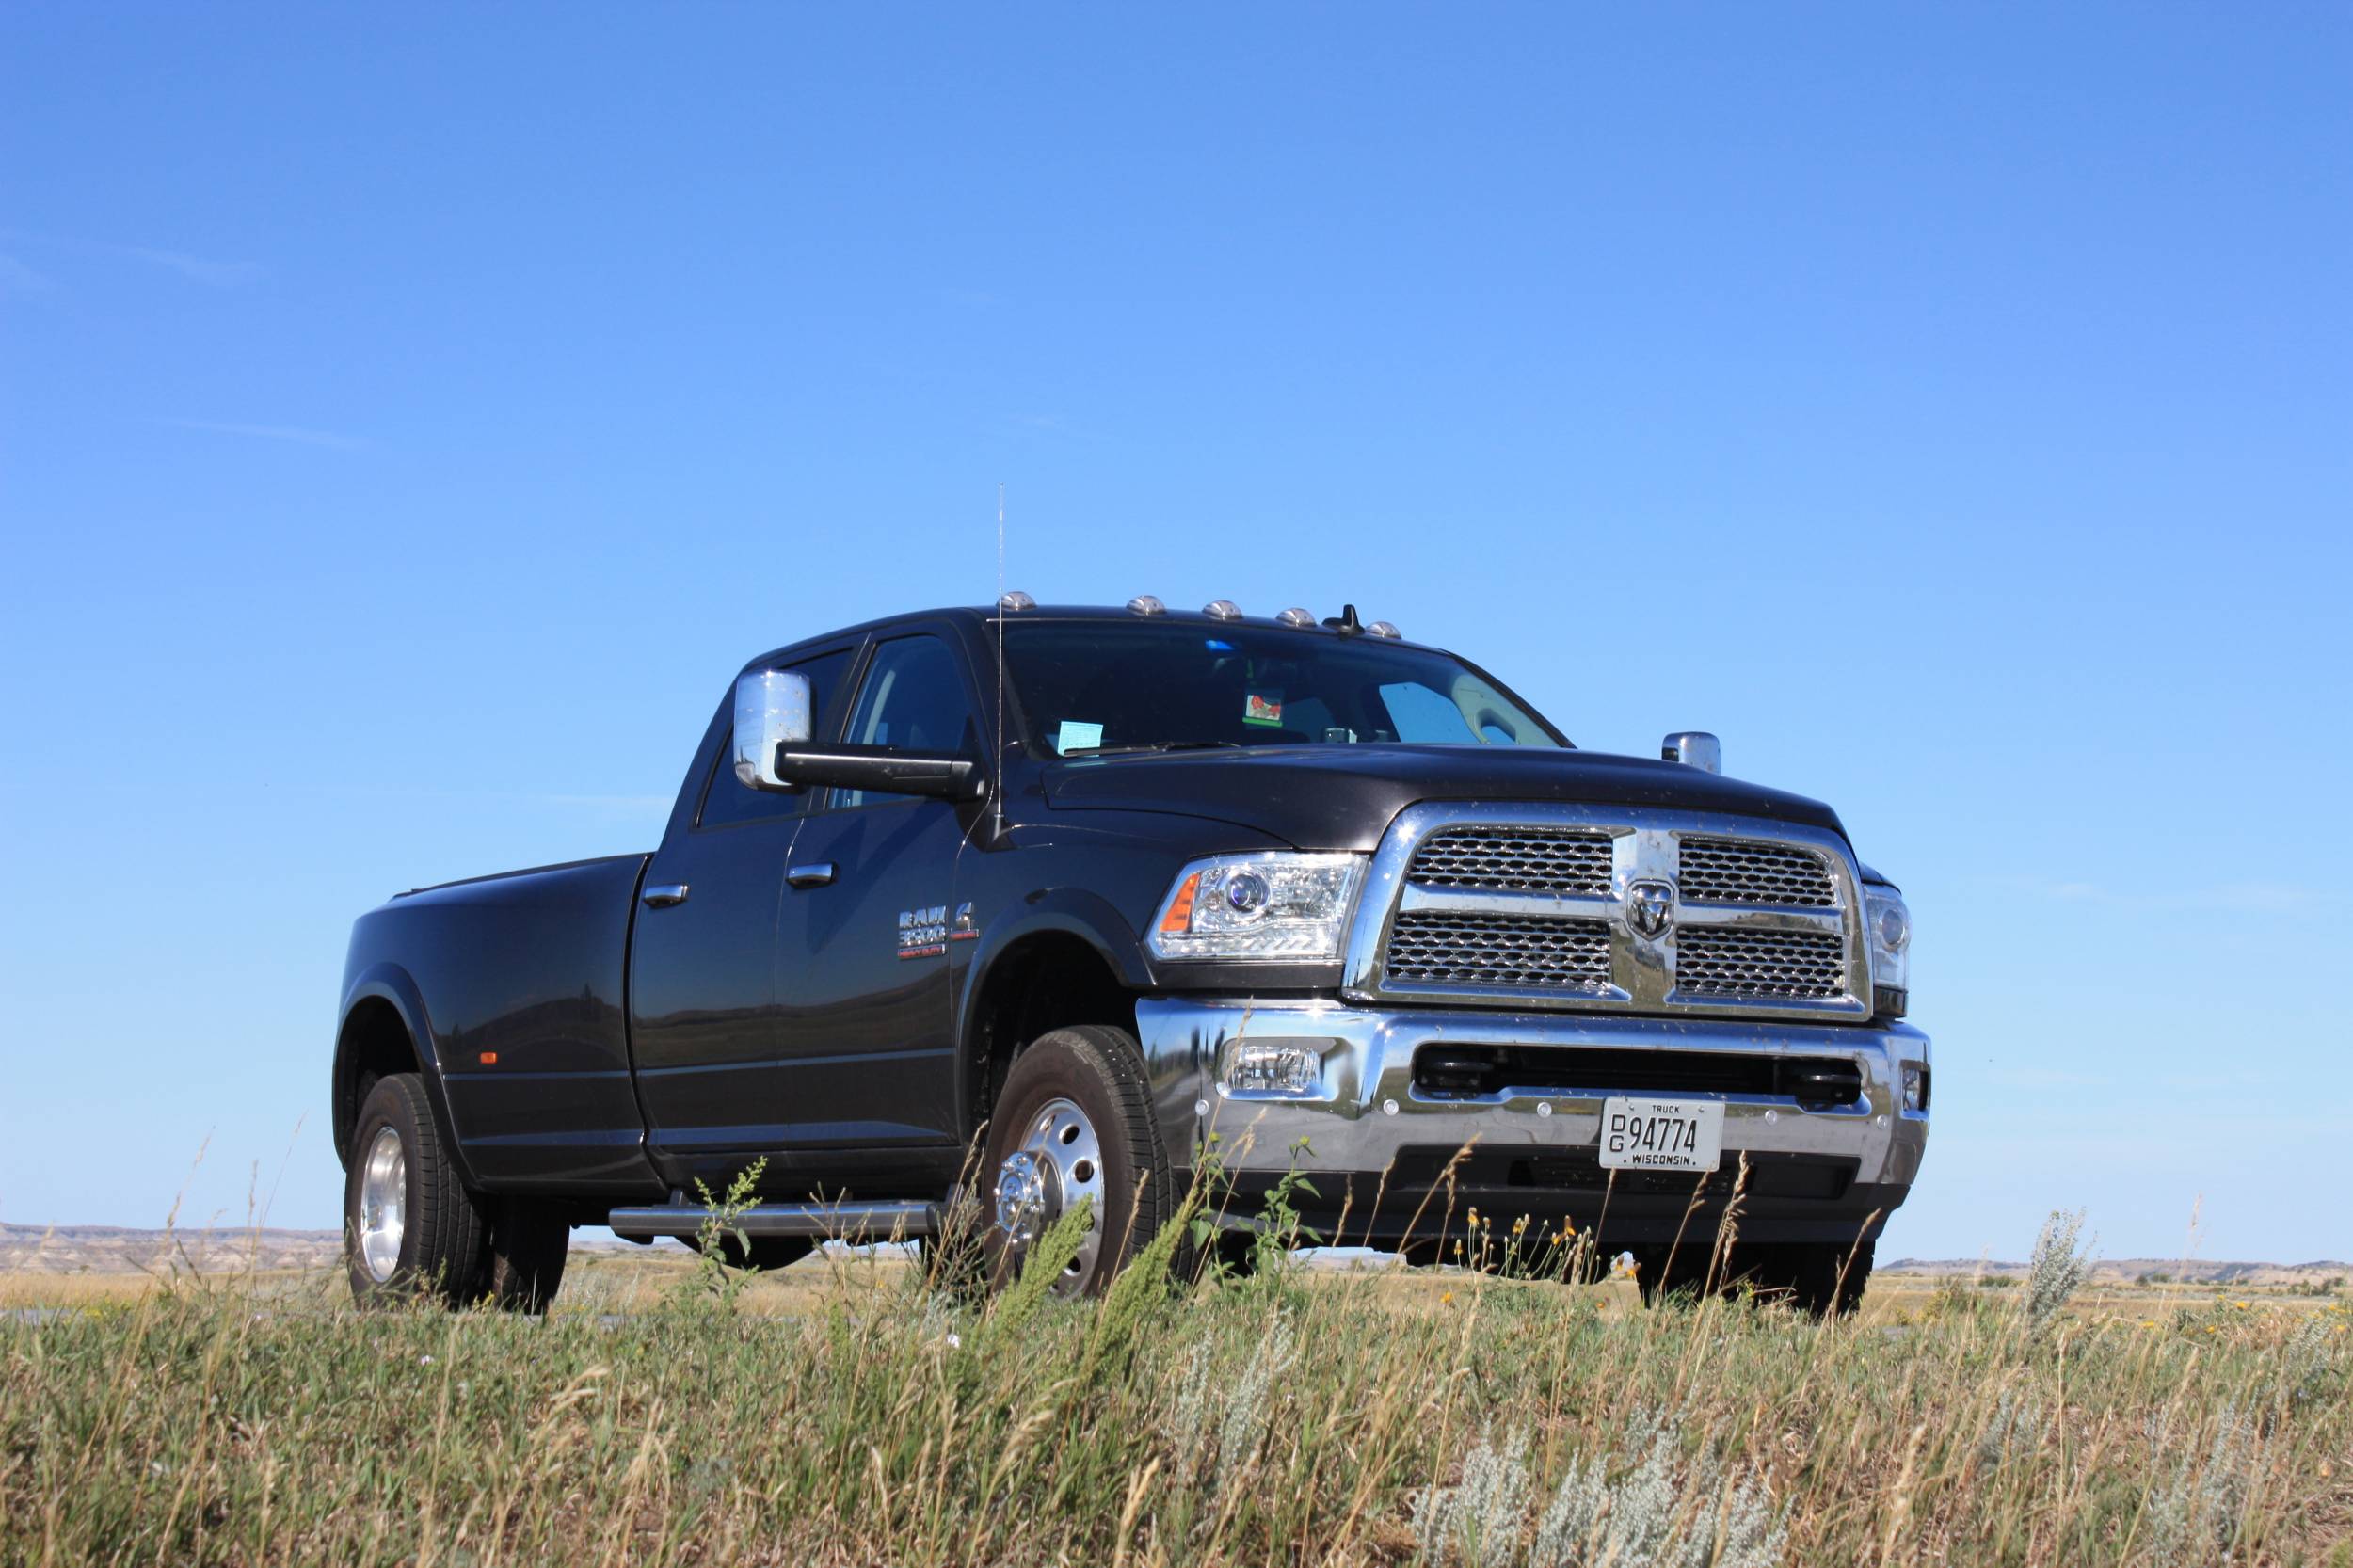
[1650, 907]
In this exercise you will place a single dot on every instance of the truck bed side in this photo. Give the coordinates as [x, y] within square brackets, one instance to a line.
[513, 989]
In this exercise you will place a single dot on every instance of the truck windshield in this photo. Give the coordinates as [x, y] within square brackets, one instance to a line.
[1098, 687]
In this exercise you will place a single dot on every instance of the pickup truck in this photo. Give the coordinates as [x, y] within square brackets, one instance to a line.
[1001, 910]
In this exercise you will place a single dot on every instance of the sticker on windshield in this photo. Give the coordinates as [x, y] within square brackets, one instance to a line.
[1074, 736]
[1262, 708]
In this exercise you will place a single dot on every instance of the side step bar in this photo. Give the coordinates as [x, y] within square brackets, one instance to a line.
[843, 1222]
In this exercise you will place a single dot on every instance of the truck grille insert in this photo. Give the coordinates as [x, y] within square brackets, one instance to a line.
[1429, 948]
[1728, 961]
[1496, 859]
[1746, 871]
[1632, 909]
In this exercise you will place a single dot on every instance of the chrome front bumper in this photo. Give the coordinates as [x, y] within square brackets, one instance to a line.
[1365, 1113]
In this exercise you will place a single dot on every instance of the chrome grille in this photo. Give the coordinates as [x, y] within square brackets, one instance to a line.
[1732, 961]
[1498, 859]
[1429, 948]
[1749, 871]
[1617, 907]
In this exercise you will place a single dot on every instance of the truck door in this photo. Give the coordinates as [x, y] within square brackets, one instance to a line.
[864, 1000]
[703, 1030]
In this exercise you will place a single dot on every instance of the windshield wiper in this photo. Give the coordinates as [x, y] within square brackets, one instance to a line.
[1150, 745]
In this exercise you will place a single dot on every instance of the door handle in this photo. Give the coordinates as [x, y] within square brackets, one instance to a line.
[815, 874]
[664, 896]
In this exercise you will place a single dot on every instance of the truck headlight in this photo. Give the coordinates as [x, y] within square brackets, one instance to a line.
[1890, 929]
[1251, 906]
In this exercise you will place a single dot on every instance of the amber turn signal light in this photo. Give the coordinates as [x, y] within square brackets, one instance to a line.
[1178, 919]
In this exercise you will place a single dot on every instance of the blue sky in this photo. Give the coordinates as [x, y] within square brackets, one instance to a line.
[407, 426]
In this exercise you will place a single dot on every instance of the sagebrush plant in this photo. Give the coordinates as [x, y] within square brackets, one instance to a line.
[1663, 1511]
[2057, 1271]
[1368, 1415]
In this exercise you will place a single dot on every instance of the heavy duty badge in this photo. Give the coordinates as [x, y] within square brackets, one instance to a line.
[926, 933]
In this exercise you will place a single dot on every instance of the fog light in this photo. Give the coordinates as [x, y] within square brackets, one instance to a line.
[1915, 1086]
[1273, 1067]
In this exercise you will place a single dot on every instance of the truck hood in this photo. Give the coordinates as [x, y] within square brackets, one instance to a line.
[1342, 797]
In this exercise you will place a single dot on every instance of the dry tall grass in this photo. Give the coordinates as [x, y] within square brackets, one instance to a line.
[1363, 1416]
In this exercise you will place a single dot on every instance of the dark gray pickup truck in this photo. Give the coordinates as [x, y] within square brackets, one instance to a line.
[1028, 905]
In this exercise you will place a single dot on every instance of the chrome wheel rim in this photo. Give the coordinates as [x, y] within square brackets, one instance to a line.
[1058, 1165]
[383, 1217]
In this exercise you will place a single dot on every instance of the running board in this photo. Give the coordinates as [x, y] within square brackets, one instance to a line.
[843, 1222]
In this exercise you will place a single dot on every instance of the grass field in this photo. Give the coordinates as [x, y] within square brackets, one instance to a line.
[838, 1412]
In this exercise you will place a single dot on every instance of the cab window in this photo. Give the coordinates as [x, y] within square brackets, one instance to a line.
[914, 698]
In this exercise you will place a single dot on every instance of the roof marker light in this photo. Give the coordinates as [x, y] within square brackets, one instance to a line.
[1222, 609]
[1013, 600]
[1384, 629]
[1298, 619]
[1146, 605]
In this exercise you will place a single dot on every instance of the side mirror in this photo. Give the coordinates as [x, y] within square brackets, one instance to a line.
[1694, 748]
[883, 770]
[772, 710]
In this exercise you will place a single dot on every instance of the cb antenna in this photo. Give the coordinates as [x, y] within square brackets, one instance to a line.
[1001, 661]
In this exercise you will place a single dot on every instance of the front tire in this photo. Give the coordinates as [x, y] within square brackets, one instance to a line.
[410, 1227]
[1074, 1124]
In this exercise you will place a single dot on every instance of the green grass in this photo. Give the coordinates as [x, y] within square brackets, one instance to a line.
[1369, 1416]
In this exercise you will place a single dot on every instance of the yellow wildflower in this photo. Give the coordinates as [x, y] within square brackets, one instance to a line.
[1446, 1299]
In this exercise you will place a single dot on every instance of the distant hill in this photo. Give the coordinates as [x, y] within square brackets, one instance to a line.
[2128, 1270]
[118, 1250]
[115, 1250]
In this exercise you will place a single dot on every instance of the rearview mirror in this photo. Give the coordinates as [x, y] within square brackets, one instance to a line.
[772, 710]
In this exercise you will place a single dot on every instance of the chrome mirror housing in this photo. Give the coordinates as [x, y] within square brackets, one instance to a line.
[771, 708]
[1694, 748]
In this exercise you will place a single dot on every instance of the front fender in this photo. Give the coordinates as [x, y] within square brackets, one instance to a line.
[391, 983]
[1064, 911]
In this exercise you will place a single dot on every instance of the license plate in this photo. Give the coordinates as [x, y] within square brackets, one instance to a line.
[1662, 1135]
